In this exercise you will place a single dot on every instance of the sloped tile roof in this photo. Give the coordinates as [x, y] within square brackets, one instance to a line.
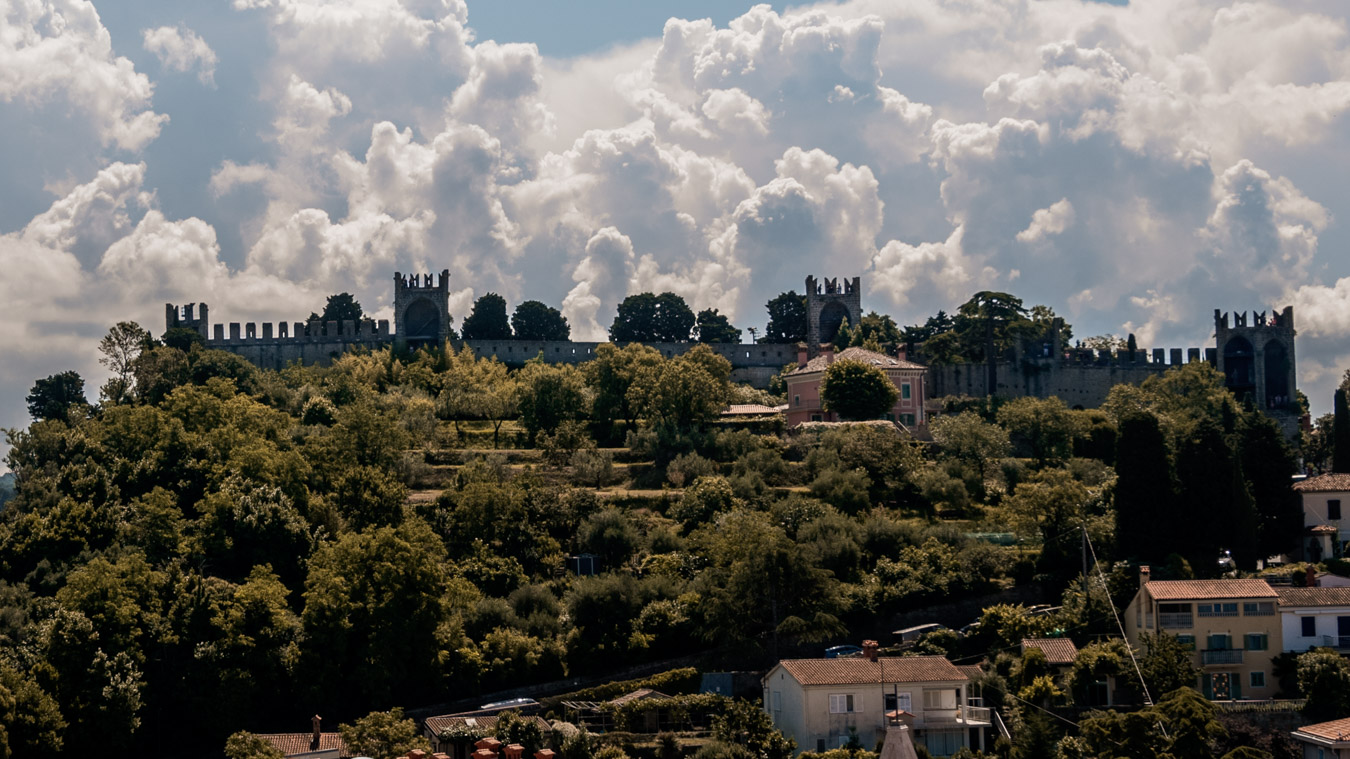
[291, 744]
[857, 671]
[820, 363]
[1335, 730]
[1324, 483]
[488, 724]
[1056, 650]
[638, 695]
[1188, 590]
[749, 409]
[1314, 596]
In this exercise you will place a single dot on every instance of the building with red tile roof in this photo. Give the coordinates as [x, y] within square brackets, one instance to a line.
[803, 386]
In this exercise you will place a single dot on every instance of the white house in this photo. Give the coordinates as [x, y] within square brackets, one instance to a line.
[820, 703]
[1315, 618]
[1325, 523]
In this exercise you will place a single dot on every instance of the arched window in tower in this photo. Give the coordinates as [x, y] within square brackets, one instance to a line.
[423, 322]
[831, 316]
[1277, 375]
[1239, 367]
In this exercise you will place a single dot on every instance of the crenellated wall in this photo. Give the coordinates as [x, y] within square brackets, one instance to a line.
[1079, 377]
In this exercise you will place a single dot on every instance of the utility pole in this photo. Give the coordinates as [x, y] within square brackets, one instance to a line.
[1086, 599]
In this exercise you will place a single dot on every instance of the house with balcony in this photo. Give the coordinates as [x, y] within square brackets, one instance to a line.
[1232, 625]
[803, 386]
[821, 703]
[1315, 618]
[1326, 529]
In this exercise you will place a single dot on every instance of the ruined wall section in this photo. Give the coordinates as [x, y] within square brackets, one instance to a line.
[273, 346]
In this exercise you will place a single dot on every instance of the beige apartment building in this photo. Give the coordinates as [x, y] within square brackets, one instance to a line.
[820, 703]
[1233, 626]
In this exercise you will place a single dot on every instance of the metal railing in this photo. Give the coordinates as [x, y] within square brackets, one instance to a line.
[1175, 621]
[1336, 641]
[968, 715]
[1222, 656]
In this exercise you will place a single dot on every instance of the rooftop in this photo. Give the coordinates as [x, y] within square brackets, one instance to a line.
[290, 744]
[856, 671]
[1189, 590]
[819, 363]
[487, 724]
[1056, 650]
[1325, 483]
[1328, 596]
[750, 409]
[1336, 730]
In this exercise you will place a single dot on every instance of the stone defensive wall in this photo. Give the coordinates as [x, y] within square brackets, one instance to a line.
[752, 364]
[271, 346]
[1080, 377]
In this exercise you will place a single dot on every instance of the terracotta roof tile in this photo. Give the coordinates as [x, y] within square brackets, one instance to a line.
[903, 669]
[488, 724]
[1314, 596]
[748, 409]
[1335, 730]
[819, 363]
[291, 744]
[1324, 483]
[1056, 650]
[1185, 590]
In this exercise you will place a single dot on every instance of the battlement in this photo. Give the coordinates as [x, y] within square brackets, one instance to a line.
[1283, 320]
[830, 286]
[312, 331]
[183, 317]
[422, 282]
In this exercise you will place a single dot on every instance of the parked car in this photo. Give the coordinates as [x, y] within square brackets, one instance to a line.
[835, 652]
[515, 703]
[906, 637]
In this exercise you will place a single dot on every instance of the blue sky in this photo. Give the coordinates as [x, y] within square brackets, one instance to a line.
[1132, 166]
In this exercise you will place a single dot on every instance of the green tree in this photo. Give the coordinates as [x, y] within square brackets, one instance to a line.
[30, 719]
[714, 327]
[383, 735]
[1166, 664]
[1340, 430]
[369, 497]
[534, 320]
[1052, 502]
[55, 397]
[1268, 464]
[1324, 680]
[747, 725]
[377, 604]
[339, 308]
[487, 321]
[550, 394]
[682, 394]
[969, 439]
[857, 390]
[1042, 428]
[787, 319]
[1219, 512]
[1192, 724]
[877, 332]
[611, 375]
[648, 318]
[120, 348]
[182, 339]
[246, 745]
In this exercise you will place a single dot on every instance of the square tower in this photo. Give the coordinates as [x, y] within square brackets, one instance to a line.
[1257, 359]
[827, 306]
[421, 309]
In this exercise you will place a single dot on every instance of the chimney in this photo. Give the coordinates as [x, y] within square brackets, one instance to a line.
[1310, 577]
[871, 649]
[802, 355]
[1143, 575]
[314, 742]
[900, 353]
[544, 753]
[513, 751]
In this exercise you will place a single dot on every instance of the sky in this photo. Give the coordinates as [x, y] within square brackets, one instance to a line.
[1132, 165]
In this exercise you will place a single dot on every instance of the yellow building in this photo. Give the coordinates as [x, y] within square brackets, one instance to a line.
[1232, 625]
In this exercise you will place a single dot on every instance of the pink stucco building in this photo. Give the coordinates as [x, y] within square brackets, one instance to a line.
[803, 386]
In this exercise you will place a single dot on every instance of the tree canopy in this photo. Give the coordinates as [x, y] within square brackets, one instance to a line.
[787, 318]
[648, 318]
[339, 308]
[714, 327]
[487, 321]
[55, 396]
[534, 320]
[856, 390]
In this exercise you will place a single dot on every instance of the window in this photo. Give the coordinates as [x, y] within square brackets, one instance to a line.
[1186, 641]
[1220, 642]
[904, 395]
[815, 417]
[778, 701]
[943, 742]
[1309, 626]
[1258, 642]
[841, 703]
[907, 420]
[796, 400]
[1334, 509]
[1219, 610]
[939, 698]
[820, 745]
[1258, 679]
[1258, 608]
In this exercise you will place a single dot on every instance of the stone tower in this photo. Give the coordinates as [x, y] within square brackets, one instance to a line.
[827, 306]
[421, 309]
[1257, 360]
[183, 317]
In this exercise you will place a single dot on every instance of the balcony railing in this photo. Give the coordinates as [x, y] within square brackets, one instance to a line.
[1336, 641]
[1175, 621]
[1222, 656]
[961, 715]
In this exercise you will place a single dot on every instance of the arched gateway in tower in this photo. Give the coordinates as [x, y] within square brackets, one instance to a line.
[827, 306]
[421, 309]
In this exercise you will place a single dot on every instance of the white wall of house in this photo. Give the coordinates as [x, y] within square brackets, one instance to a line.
[1317, 507]
[1325, 626]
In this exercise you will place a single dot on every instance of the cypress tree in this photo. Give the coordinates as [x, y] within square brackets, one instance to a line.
[1145, 489]
[1340, 433]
